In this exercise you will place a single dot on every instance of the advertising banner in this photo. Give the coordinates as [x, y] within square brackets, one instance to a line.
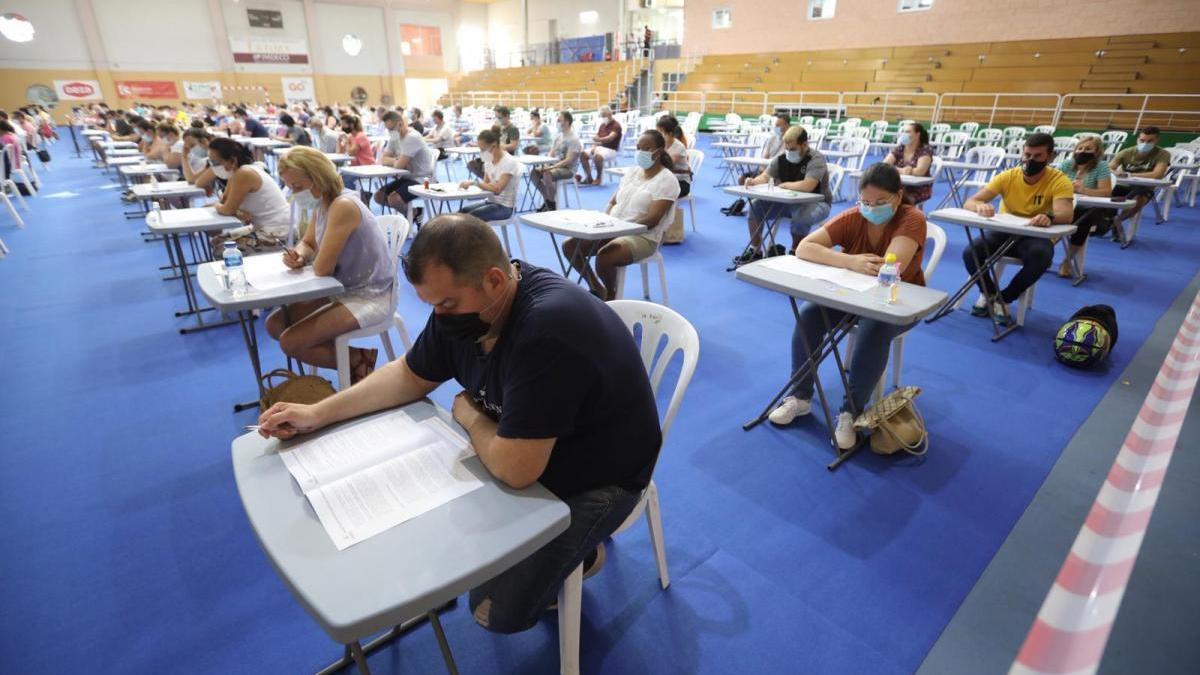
[271, 51]
[299, 89]
[78, 90]
[202, 90]
[139, 89]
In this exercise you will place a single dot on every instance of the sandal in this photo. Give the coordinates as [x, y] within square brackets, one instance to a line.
[365, 365]
[1064, 270]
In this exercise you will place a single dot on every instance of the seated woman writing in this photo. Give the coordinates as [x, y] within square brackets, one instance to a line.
[1090, 175]
[881, 223]
[913, 157]
[345, 242]
[501, 176]
[647, 196]
[250, 194]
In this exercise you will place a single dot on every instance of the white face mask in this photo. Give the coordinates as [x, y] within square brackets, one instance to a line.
[221, 172]
[305, 200]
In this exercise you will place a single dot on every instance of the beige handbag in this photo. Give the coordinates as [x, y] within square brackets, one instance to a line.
[294, 389]
[675, 232]
[895, 424]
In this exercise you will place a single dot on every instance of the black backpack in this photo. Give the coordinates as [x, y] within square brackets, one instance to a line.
[737, 208]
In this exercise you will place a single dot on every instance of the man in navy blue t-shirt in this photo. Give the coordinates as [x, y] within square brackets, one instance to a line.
[254, 128]
[554, 391]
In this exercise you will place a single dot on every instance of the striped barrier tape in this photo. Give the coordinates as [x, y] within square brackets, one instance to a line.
[1073, 625]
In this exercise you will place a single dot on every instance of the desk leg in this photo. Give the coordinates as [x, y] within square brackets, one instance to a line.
[250, 335]
[447, 656]
[972, 281]
[356, 653]
[189, 292]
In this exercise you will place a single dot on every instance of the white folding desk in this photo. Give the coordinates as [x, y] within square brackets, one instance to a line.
[144, 193]
[172, 225]
[407, 571]
[913, 303]
[968, 220]
[774, 195]
[583, 225]
[374, 176]
[1154, 184]
[438, 195]
[211, 279]
[529, 200]
[956, 182]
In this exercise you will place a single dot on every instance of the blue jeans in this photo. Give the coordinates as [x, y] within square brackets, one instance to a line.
[519, 596]
[488, 211]
[803, 216]
[872, 344]
[1036, 255]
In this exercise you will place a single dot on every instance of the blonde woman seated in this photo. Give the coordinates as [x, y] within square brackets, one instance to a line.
[346, 243]
[1089, 175]
[646, 196]
[881, 223]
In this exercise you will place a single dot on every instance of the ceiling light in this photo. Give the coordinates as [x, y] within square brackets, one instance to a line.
[16, 28]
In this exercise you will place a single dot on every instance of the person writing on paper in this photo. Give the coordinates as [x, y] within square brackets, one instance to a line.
[195, 159]
[1033, 190]
[881, 223]
[168, 135]
[913, 156]
[647, 196]
[1144, 160]
[346, 243]
[555, 392]
[802, 168]
[510, 138]
[1089, 175]
[250, 193]
[501, 174]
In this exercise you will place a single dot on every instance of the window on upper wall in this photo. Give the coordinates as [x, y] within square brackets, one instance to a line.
[722, 18]
[915, 5]
[420, 40]
[821, 9]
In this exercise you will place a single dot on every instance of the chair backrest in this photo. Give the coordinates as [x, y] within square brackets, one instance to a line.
[1013, 133]
[733, 118]
[657, 323]
[805, 120]
[989, 135]
[1062, 143]
[969, 128]
[695, 161]
[878, 128]
[395, 229]
[857, 145]
[935, 168]
[1044, 129]
[1181, 156]
[836, 174]
[863, 133]
[939, 128]
[822, 123]
[852, 122]
[904, 123]
[815, 136]
[1113, 137]
[989, 155]
[938, 235]
[956, 140]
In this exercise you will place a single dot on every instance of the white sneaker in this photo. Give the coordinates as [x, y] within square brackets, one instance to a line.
[845, 434]
[790, 409]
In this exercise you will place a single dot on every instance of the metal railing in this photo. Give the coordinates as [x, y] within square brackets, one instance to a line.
[891, 105]
[799, 103]
[560, 100]
[1173, 112]
[1000, 108]
[626, 76]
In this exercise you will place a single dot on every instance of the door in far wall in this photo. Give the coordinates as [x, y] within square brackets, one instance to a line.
[424, 92]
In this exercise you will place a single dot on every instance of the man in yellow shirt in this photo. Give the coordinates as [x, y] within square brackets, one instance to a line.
[1032, 190]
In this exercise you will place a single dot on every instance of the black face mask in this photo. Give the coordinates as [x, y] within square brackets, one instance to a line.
[1082, 158]
[1033, 167]
[461, 327]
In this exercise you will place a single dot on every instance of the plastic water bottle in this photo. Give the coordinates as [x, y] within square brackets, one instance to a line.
[889, 279]
[235, 274]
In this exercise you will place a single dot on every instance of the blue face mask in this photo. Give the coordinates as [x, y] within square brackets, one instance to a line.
[904, 139]
[779, 131]
[1144, 148]
[793, 156]
[877, 215]
[645, 159]
[305, 200]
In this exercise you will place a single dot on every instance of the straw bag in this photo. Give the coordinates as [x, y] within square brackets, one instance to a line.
[294, 389]
[895, 424]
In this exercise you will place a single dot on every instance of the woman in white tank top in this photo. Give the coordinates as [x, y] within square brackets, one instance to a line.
[250, 194]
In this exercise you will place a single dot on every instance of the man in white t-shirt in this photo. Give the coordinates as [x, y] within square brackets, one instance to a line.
[501, 176]
[440, 135]
[405, 150]
[647, 196]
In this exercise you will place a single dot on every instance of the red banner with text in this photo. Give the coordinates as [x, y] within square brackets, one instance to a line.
[147, 89]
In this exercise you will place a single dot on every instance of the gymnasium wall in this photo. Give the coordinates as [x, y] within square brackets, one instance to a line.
[111, 41]
[759, 26]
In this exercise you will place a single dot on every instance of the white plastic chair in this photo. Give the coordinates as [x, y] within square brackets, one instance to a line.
[939, 128]
[655, 259]
[969, 128]
[8, 202]
[956, 141]
[836, 173]
[989, 155]
[562, 188]
[695, 161]
[1113, 140]
[3, 249]
[396, 229]
[805, 120]
[934, 233]
[502, 225]
[1013, 134]
[989, 136]
[656, 323]
[1044, 129]
[1176, 176]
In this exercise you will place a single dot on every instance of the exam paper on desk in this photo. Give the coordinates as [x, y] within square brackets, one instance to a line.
[834, 275]
[373, 475]
[266, 272]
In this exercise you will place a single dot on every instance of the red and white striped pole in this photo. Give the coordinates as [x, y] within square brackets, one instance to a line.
[1075, 620]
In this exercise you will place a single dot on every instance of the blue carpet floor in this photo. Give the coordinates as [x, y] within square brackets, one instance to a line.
[126, 550]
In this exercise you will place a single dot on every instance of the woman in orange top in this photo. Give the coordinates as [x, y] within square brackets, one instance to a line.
[355, 142]
[880, 224]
